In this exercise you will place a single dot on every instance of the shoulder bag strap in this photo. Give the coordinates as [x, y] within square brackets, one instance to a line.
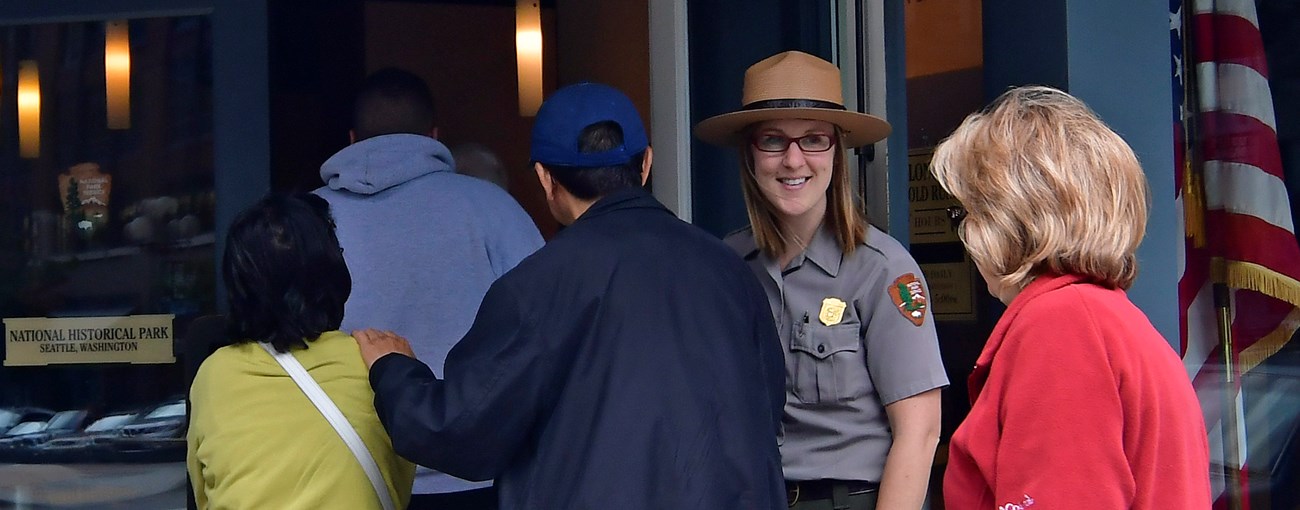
[336, 419]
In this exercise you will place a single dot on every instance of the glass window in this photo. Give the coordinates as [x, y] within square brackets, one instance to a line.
[107, 198]
[945, 75]
[1236, 77]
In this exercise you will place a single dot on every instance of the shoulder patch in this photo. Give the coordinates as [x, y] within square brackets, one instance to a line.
[909, 298]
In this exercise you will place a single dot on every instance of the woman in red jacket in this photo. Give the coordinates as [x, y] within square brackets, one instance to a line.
[1077, 401]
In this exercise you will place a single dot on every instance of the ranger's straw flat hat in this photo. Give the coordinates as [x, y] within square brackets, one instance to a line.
[793, 85]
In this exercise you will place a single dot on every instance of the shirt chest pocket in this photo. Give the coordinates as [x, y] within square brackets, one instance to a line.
[829, 364]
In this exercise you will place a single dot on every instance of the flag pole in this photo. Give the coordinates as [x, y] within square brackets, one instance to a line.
[1193, 187]
[1232, 463]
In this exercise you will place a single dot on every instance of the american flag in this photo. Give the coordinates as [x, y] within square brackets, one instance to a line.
[1237, 215]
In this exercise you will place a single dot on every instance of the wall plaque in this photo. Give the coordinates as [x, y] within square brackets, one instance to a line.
[130, 339]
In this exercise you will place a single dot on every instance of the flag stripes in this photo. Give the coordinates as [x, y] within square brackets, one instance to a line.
[1242, 139]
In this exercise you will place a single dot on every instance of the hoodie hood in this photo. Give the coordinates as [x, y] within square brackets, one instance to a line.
[376, 164]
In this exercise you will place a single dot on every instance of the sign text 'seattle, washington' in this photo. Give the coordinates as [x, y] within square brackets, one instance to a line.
[129, 339]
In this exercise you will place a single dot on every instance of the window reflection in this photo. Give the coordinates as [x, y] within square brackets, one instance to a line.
[109, 213]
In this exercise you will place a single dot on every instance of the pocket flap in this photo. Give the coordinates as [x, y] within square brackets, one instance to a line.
[822, 341]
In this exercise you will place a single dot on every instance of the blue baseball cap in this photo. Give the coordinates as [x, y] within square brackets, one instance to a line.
[571, 109]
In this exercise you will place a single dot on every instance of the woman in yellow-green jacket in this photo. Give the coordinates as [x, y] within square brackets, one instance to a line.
[255, 439]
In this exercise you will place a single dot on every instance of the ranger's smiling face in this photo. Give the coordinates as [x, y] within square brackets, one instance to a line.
[794, 179]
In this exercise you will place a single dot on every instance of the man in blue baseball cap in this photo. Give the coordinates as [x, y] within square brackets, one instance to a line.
[630, 363]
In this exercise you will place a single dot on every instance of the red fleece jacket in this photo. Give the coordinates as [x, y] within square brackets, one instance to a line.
[1078, 402]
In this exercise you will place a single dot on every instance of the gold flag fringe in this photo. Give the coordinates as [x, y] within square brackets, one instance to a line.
[1245, 275]
[1193, 205]
[1273, 342]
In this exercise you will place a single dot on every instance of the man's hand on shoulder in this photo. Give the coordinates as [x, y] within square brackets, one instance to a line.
[376, 344]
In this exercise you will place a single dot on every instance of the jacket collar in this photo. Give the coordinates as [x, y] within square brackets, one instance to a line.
[1042, 284]
[631, 198]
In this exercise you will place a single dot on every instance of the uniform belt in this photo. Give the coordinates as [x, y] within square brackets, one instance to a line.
[811, 490]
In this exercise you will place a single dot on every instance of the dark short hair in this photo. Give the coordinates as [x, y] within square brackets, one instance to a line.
[393, 101]
[592, 183]
[285, 278]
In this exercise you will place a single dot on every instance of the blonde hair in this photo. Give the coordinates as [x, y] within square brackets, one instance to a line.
[847, 222]
[1047, 187]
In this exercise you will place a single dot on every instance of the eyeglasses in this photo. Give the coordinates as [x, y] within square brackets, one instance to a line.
[772, 142]
[956, 214]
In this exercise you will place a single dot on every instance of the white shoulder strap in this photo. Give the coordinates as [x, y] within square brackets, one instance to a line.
[336, 419]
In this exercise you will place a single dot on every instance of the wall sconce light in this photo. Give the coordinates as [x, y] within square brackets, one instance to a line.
[117, 74]
[29, 110]
[528, 55]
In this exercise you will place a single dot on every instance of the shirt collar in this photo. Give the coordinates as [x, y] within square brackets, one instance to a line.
[825, 251]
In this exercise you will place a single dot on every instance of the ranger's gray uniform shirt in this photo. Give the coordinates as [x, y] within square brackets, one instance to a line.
[858, 334]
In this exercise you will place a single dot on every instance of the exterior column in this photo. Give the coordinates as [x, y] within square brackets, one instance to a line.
[1114, 55]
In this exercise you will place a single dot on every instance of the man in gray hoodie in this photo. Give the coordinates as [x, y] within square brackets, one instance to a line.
[423, 243]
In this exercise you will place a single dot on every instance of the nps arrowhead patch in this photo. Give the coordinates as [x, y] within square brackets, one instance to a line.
[909, 298]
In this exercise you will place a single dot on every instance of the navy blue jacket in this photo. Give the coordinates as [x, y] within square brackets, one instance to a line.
[630, 363]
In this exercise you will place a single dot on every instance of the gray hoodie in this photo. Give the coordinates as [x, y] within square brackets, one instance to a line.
[423, 244]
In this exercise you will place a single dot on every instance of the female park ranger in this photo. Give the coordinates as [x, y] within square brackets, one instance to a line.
[861, 419]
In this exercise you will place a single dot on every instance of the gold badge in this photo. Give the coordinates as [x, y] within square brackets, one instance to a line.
[832, 311]
[909, 296]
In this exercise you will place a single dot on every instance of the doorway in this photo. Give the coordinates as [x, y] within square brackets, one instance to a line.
[465, 51]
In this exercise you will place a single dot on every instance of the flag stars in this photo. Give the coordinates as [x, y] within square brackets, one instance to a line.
[1176, 22]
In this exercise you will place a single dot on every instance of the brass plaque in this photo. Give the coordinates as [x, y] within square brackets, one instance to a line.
[130, 339]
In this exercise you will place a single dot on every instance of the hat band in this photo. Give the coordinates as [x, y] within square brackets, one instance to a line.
[792, 103]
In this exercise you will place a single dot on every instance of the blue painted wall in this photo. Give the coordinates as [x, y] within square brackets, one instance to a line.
[1119, 64]
[1024, 43]
[1114, 55]
[900, 224]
